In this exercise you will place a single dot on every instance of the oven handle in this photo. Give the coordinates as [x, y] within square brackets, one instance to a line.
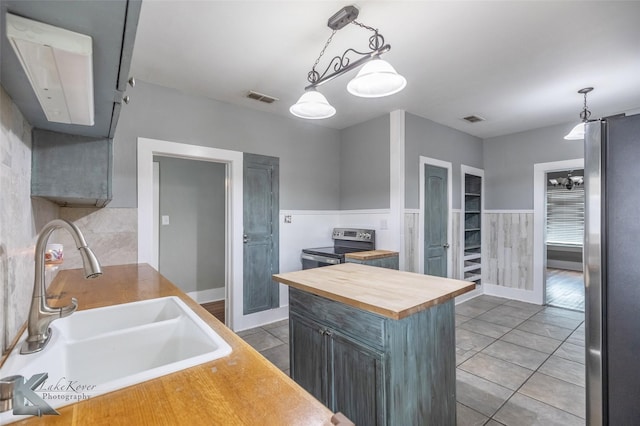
[321, 259]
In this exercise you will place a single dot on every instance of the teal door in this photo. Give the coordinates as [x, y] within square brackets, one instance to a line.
[260, 220]
[436, 214]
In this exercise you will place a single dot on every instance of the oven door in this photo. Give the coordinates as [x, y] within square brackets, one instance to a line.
[310, 261]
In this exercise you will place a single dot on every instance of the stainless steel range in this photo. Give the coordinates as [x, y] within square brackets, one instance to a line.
[345, 240]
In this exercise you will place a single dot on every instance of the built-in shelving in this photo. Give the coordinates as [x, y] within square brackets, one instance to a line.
[471, 224]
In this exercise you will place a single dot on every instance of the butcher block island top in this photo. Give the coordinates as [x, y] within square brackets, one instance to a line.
[243, 388]
[387, 292]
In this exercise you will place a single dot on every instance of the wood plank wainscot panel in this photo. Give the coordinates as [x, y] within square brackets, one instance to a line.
[375, 344]
[240, 389]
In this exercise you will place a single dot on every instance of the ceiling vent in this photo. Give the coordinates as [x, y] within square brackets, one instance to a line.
[261, 97]
[473, 118]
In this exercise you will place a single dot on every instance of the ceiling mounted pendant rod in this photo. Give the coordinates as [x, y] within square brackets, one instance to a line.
[377, 78]
[578, 131]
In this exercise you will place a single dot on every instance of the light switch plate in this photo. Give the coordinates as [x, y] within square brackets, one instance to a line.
[165, 219]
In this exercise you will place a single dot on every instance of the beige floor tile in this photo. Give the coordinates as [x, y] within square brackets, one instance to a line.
[516, 354]
[521, 410]
[480, 394]
[557, 393]
[504, 373]
[546, 330]
[466, 416]
[485, 328]
[571, 352]
[532, 341]
[564, 369]
[469, 340]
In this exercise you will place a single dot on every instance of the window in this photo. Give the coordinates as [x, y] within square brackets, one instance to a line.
[565, 215]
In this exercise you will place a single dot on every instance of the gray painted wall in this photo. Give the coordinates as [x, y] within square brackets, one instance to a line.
[364, 165]
[429, 139]
[508, 163]
[309, 163]
[192, 249]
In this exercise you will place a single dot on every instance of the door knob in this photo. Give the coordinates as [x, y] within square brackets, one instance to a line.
[245, 238]
[445, 245]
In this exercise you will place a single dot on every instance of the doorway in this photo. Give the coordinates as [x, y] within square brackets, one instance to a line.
[564, 238]
[190, 200]
[540, 182]
[435, 221]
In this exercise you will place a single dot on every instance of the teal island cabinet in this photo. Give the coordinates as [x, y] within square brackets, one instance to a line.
[375, 344]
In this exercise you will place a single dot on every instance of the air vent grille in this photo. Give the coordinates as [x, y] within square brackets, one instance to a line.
[261, 97]
[473, 118]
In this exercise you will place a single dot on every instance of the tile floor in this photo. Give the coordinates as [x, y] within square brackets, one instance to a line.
[518, 363]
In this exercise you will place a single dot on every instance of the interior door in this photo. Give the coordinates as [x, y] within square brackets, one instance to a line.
[261, 246]
[436, 216]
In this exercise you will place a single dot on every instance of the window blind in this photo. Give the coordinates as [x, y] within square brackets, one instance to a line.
[565, 215]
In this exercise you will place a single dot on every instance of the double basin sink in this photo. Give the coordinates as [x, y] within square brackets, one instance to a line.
[96, 351]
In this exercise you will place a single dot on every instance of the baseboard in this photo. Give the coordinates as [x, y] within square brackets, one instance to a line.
[470, 295]
[209, 295]
[510, 293]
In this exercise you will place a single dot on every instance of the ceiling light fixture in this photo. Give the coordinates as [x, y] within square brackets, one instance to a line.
[376, 79]
[578, 131]
[59, 66]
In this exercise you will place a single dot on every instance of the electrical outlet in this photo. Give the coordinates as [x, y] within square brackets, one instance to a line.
[287, 218]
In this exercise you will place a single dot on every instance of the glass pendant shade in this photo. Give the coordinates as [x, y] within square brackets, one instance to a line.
[576, 133]
[312, 105]
[376, 79]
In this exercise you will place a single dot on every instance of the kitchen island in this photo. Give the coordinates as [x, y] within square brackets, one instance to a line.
[374, 343]
[243, 388]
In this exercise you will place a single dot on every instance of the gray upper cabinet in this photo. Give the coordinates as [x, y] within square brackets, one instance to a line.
[71, 170]
[72, 164]
[110, 24]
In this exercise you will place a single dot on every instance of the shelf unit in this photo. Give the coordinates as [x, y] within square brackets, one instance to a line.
[471, 224]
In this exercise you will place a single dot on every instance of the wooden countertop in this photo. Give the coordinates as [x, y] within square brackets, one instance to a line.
[240, 389]
[371, 254]
[391, 293]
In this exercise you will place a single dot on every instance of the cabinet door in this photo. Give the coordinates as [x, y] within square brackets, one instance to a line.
[308, 362]
[356, 381]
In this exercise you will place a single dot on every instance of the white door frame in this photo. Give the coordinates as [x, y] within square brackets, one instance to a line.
[539, 210]
[448, 166]
[147, 148]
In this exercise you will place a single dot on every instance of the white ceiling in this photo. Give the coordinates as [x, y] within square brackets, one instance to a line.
[517, 64]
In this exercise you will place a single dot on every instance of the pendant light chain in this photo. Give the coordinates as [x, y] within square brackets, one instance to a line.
[313, 75]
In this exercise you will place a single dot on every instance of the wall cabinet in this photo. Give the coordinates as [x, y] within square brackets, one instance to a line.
[471, 223]
[71, 170]
[374, 369]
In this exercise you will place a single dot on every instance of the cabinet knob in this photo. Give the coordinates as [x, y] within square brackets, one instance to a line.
[132, 82]
[445, 245]
[126, 99]
[245, 238]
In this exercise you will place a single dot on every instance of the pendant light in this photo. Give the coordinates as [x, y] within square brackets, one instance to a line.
[376, 79]
[578, 131]
[312, 105]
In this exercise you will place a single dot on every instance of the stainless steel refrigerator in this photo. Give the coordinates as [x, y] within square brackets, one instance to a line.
[612, 270]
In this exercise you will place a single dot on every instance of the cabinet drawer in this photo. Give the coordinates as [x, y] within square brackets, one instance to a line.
[361, 325]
